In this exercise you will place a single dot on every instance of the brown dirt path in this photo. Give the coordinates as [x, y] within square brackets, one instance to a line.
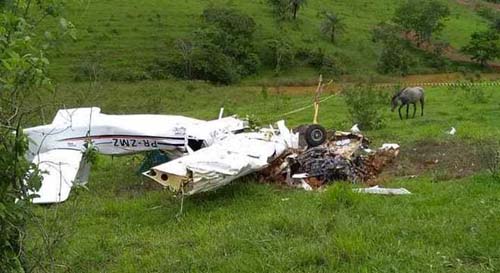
[411, 80]
[475, 4]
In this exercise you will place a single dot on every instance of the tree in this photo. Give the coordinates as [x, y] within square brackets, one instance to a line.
[423, 18]
[395, 56]
[280, 53]
[483, 47]
[222, 50]
[284, 8]
[495, 25]
[332, 25]
[23, 72]
[296, 5]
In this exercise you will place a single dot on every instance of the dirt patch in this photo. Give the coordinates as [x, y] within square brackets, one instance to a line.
[424, 79]
[475, 4]
[443, 159]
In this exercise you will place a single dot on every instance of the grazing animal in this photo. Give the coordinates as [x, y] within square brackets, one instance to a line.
[407, 96]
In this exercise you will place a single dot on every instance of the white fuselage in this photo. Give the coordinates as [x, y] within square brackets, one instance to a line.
[125, 134]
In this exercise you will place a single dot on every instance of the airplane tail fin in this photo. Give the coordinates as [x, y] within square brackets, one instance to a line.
[75, 115]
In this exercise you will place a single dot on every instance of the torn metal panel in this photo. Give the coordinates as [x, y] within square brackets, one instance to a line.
[232, 157]
[384, 191]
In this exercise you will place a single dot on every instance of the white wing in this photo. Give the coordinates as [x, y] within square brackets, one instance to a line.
[59, 170]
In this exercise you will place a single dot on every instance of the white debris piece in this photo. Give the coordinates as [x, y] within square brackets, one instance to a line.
[388, 146]
[452, 131]
[384, 191]
[355, 129]
[300, 176]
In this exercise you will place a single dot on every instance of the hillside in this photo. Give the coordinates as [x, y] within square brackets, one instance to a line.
[123, 38]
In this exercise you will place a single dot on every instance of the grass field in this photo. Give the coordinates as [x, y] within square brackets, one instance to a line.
[124, 37]
[124, 223]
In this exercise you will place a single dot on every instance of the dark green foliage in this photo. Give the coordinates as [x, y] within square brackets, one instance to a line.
[280, 8]
[483, 47]
[23, 73]
[395, 57]
[496, 24]
[421, 18]
[279, 54]
[17, 177]
[285, 9]
[221, 51]
[295, 5]
[328, 64]
[364, 106]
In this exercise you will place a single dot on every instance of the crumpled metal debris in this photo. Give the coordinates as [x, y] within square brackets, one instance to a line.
[344, 156]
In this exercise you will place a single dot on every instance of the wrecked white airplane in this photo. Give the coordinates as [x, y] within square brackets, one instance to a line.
[205, 155]
[57, 149]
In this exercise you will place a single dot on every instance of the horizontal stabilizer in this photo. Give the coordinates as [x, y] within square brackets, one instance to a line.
[59, 170]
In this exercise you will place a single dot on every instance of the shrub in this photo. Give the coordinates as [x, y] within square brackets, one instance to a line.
[279, 53]
[280, 8]
[489, 154]
[395, 58]
[473, 93]
[483, 46]
[421, 17]
[395, 55]
[221, 51]
[363, 104]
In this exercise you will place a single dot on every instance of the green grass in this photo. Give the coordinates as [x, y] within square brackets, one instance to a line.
[123, 224]
[127, 35]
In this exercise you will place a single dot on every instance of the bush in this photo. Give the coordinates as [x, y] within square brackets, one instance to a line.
[221, 51]
[281, 9]
[489, 154]
[473, 93]
[279, 53]
[395, 57]
[363, 104]
[421, 18]
[483, 46]
[325, 64]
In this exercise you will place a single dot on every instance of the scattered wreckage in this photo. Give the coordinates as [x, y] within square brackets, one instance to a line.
[206, 155]
[342, 156]
[309, 158]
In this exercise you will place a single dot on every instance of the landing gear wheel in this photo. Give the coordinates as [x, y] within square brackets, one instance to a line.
[315, 135]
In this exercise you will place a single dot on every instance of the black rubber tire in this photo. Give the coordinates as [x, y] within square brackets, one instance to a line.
[315, 135]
